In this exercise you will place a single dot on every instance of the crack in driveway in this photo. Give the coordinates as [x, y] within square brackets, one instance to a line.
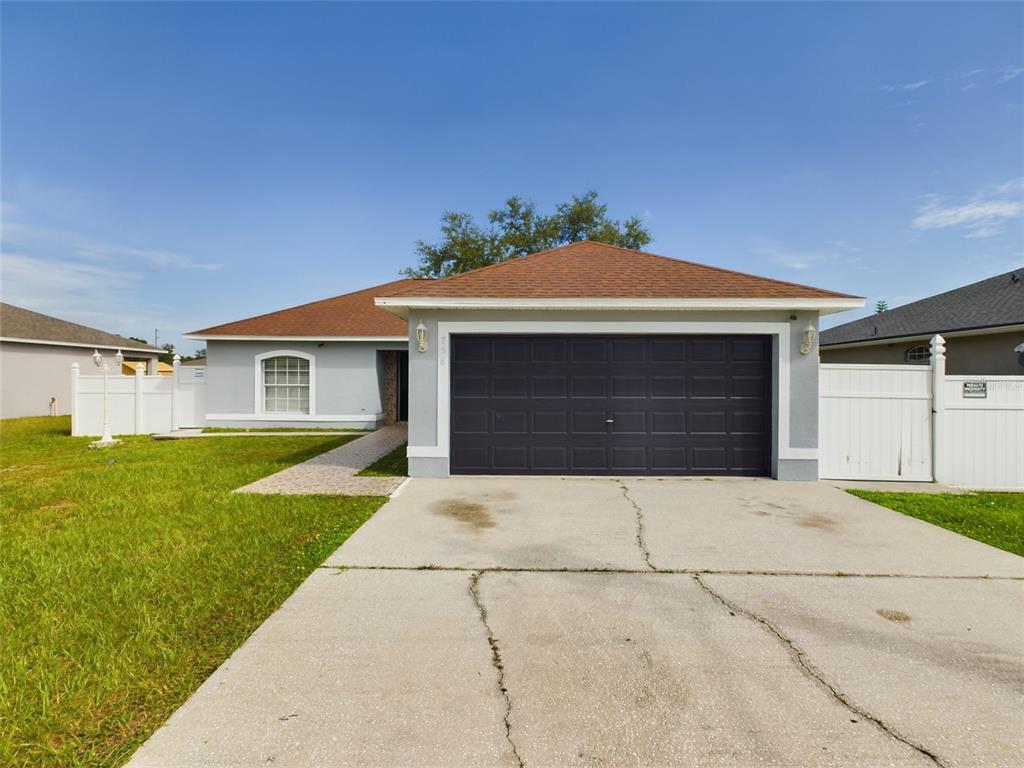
[800, 656]
[474, 591]
[640, 542]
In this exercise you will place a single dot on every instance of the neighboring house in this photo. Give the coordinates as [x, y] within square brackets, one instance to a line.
[36, 354]
[338, 362]
[982, 323]
[596, 360]
[159, 369]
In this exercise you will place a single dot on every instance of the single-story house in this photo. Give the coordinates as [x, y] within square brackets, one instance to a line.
[339, 362]
[982, 323]
[586, 359]
[36, 354]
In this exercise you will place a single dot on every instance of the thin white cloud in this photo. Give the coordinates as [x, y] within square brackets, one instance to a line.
[892, 88]
[27, 237]
[985, 215]
[1008, 74]
[800, 259]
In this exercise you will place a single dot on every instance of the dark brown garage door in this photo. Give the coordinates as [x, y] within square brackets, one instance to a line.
[602, 405]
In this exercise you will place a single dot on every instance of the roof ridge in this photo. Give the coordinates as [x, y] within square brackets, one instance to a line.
[634, 251]
[306, 304]
[130, 343]
[902, 308]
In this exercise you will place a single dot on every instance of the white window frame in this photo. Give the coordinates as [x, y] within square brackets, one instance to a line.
[920, 361]
[259, 393]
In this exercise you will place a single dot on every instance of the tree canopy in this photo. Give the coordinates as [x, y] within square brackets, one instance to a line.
[517, 229]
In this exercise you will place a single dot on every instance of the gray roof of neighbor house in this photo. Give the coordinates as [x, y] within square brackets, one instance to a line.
[997, 301]
[25, 325]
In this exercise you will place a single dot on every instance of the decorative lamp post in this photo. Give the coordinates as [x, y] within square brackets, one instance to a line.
[106, 438]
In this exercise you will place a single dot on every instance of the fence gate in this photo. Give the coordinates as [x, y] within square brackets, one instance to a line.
[875, 422]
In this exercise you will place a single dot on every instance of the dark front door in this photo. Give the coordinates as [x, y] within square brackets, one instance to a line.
[608, 405]
[403, 386]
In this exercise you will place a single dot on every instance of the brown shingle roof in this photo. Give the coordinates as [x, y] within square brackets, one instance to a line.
[352, 314]
[586, 270]
[19, 323]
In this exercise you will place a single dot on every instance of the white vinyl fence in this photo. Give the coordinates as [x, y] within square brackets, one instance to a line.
[912, 422]
[139, 404]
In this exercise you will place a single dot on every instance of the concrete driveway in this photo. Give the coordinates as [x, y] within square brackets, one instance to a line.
[597, 622]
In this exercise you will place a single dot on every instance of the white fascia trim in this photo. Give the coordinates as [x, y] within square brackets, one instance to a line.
[823, 306]
[221, 337]
[127, 350]
[258, 402]
[781, 449]
[990, 331]
[359, 417]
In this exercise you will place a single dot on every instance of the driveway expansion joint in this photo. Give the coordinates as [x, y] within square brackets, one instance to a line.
[639, 512]
[474, 591]
[800, 657]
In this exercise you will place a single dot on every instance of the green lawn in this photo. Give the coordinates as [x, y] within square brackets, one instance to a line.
[128, 574]
[994, 518]
[395, 464]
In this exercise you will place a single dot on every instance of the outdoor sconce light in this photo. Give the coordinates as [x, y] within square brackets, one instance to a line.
[810, 335]
[119, 359]
[421, 336]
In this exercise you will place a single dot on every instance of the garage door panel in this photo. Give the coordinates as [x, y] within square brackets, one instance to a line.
[509, 385]
[668, 386]
[589, 423]
[591, 458]
[629, 386]
[629, 459]
[552, 458]
[611, 404]
[629, 422]
[550, 386]
[550, 423]
[510, 422]
[589, 386]
[664, 423]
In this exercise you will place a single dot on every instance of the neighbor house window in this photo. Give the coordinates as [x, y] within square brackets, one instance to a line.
[919, 354]
[285, 385]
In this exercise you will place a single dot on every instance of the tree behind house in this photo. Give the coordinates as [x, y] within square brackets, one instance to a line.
[518, 229]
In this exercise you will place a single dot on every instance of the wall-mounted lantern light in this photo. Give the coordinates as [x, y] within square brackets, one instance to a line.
[421, 337]
[809, 337]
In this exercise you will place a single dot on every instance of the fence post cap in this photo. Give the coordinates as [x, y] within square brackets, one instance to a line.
[139, 368]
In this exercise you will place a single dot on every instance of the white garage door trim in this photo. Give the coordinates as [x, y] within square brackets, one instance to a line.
[445, 329]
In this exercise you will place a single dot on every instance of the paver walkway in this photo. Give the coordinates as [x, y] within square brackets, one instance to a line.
[334, 472]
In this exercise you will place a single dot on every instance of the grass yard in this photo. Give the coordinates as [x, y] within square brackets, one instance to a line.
[395, 464]
[128, 574]
[994, 518]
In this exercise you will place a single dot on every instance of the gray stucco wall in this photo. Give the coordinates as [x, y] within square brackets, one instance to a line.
[30, 374]
[347, 379]
[988, 354]
[801, 399]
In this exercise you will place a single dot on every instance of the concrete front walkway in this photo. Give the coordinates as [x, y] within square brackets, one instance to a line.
[334, 472]
[590, 622]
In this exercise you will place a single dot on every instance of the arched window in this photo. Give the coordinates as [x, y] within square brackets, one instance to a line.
[920, 354]
[285, 382]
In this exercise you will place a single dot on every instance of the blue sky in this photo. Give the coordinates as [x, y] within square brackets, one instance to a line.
[180, 165]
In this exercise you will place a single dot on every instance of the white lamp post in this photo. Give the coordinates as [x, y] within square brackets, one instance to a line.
[106, 438]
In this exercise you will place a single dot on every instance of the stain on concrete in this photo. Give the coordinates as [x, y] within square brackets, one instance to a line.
[470, 513]
[817, 521]
[898, 617]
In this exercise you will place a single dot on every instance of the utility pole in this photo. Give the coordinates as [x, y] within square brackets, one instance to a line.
[156, 338]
